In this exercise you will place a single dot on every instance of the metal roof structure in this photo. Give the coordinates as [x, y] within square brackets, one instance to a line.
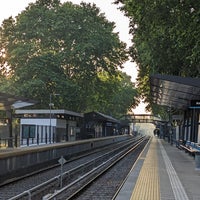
[48, 111]
[101, 117]
[8, 101]
[107, 117]
[174, 91]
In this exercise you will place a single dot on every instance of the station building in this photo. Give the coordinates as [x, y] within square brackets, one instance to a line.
[39, 127]
[48, 126]
[97, 125]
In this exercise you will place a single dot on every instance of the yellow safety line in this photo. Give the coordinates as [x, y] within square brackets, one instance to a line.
[147, 186]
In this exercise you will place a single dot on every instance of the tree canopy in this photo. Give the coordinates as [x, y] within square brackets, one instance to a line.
[166, 38]
[68, 49]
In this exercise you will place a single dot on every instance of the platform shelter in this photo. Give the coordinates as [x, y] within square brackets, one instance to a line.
[181, 98]
[97, 125]
[9, 103]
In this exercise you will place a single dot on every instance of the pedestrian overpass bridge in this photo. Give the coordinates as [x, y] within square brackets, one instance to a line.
[142, 118]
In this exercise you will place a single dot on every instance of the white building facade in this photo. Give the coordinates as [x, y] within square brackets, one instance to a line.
[39, 127]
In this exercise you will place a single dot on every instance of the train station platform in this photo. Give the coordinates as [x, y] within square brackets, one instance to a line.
[162, 172]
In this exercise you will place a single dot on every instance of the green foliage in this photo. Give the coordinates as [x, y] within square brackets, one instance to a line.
[65, 48]
[166, 38]
[115, 94]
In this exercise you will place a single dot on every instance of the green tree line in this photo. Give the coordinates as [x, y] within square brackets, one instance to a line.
[166, 39]
[53, 47]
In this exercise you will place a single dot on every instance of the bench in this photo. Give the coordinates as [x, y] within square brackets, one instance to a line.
[189, 150]
[179, 144]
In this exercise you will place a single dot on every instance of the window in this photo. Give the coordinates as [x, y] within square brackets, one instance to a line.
[28, 131]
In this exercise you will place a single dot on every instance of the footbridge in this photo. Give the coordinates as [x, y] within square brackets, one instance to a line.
[142, 118]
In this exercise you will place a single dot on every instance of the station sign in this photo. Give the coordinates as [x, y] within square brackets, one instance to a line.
[195, 104]
[108, 123]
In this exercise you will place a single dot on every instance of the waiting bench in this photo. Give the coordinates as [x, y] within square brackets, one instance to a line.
[189, 147]
[189, 150]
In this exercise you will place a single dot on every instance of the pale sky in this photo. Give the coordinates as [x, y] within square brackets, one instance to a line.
[14, 7]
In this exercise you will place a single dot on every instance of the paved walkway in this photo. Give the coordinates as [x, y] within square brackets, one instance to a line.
[162, 172]
[147, 186]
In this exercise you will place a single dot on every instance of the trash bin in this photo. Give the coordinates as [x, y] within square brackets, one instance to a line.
[197, 160]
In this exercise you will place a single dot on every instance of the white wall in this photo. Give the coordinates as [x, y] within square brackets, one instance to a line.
[35, 121]
[43, 129]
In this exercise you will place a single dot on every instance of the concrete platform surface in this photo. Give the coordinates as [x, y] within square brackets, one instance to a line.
[162, 172]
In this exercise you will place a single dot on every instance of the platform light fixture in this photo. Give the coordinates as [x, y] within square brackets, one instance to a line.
[50, 113]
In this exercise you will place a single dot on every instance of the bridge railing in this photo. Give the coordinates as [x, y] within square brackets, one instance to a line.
[142, 118]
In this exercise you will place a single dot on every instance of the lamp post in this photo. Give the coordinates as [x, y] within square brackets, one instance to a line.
[50, 108]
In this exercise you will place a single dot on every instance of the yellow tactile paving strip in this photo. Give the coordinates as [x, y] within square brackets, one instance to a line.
[147, 186]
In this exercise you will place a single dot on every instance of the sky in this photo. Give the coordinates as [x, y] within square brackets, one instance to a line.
[14, 7]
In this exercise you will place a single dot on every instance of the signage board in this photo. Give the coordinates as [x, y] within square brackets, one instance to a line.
[62, 161]
[195, 104]
[108, 124]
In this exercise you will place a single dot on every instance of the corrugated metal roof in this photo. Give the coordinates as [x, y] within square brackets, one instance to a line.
[108, 118]
[8, 101]
[174, 91]
[47, 111]
[101, 116]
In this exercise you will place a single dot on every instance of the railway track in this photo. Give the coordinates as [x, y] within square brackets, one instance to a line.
[73, 173]
[102, 181]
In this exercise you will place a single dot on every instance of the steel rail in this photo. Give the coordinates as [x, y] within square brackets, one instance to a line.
[54, 182]
[92, 174]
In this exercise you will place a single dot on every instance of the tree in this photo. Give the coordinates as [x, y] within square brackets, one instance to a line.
[115, 94]
[166, 38]
[60, 48]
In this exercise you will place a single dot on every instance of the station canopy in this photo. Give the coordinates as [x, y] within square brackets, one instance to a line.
[174, 91]
[99, 117]
[8, 102]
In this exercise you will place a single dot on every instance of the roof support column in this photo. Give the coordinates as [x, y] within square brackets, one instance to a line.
[9, 116]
